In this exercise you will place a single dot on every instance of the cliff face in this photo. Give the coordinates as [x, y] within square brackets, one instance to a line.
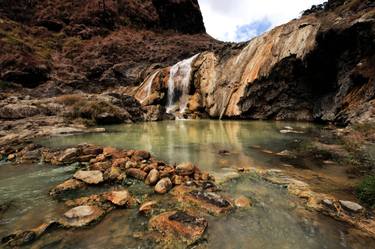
[316, 68]
[319, 67]
[91, 45]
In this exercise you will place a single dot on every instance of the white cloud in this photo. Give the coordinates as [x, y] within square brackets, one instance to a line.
[223, 18]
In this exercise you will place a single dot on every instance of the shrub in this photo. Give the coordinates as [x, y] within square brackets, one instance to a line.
[366, 190]
[69, 100]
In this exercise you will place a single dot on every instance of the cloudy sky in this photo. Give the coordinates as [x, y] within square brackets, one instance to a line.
[240, 20]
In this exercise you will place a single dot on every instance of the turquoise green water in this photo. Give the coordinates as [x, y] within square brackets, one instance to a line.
[276, 220]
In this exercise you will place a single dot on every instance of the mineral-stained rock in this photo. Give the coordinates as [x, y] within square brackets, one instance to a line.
[180, 225]
[177, 180]
[211, 202]
[147, 207]
[136, 173]
[89, 177]
[81, 216]
[185, 169]
[119, 198]
[152, 177]
[163, 186]
[351, 206]
[68, 185]
[242, 202]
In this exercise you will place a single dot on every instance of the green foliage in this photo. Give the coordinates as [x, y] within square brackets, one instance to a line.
[366, 190]
[4, 84]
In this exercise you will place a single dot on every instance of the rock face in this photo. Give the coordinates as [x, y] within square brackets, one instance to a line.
[318, 67]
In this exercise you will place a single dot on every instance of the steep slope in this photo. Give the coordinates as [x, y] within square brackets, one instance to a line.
[316, 68]
[91, 45]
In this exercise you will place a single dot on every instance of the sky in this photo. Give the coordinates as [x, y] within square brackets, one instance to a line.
[241, 20]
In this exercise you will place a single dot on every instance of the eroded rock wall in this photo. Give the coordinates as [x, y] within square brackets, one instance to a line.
[316, 68]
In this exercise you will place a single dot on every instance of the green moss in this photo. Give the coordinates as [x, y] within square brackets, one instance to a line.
[366, 191]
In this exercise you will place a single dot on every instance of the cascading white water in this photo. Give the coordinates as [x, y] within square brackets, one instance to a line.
[179, 85]
[148, 86]
[145, 89]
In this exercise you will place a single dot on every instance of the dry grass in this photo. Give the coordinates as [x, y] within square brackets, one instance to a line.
[70, 100]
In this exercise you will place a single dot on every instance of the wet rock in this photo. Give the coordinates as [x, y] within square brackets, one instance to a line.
[185, 169]
[119, 198]
[152, 177]
[211, 202]
[89, 177]
[147, 207]
[179, 225]
[351, 206]
[82, 216]
[26, 237]
[144, 155]
[242, 202]
[177, 180]
[69, 185]
[101, 166]
[163, 186]
[12, 157]
[119, 163]
[69, 155]
[115, 174]
[136, 173]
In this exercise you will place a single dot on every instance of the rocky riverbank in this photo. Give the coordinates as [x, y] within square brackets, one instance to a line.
[185, 183]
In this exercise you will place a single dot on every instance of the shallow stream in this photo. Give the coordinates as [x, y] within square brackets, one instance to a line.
[276, 220]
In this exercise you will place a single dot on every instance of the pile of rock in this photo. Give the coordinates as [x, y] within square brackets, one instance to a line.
[110, 165]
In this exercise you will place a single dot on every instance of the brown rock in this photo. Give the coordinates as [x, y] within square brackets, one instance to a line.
[69, 155]
[177, 180]
[119, 198]
[211, 202]
[185, 169]
[11, 157]
[115, 174]
[89, 177]
[71, 184]
[136, 173]
[163, 186]
[147, 206]
[119, 163]
[81, 216]
[179, 225]
[152, 177]
[242, 202]
[144, 155]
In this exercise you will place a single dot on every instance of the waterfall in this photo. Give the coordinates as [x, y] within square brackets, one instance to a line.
[146, 88]
[179, 85]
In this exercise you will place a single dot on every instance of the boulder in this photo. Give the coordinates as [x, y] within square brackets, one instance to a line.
[82, 216]
[152, 177]
[89, 177]
[185, 169]
[163, 186]
[179, 225]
